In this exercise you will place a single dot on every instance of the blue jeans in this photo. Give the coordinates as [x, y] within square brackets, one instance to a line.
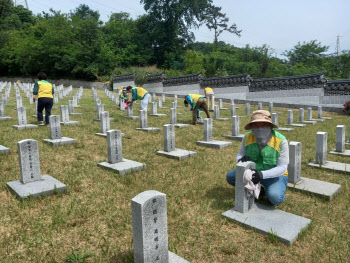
[46, 103]
[275, 187]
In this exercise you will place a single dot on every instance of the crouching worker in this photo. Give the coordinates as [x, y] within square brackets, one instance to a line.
[269, 150]
[139, 93]
[197, 102]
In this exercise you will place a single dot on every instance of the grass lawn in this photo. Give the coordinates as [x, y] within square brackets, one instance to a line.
[92, 222]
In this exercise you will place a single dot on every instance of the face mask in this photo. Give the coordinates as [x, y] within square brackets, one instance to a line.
[261, 133]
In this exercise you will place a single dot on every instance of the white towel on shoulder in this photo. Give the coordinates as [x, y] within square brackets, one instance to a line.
[251, 188]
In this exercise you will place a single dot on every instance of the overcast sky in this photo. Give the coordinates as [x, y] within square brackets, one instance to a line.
[281, 24]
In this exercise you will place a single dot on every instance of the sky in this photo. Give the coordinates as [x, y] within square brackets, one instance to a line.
[280, 24]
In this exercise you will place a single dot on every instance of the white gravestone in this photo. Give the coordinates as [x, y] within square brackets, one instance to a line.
[259, 105]
[65, 116]
[270, 107]
[150, 230]
[247, 108]
[31, 182]
[303, 184]
[262, 218]
[208, 137]
[2, 113]
[290, 120]
[22, 120]
[340, 142]
[217, 114]
[144, 123]
[56, 138]
[235, 130]
[155, 111]
[116, 162]
[105, 123]
[169, 145]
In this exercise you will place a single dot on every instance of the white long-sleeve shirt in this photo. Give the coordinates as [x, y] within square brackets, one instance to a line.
[282, 161]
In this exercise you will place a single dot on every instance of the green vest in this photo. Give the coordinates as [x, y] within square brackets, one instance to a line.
[267, 157]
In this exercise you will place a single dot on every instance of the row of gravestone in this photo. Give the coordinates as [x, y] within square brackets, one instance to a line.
[169, 131]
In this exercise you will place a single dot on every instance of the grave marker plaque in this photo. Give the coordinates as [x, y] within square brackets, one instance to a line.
[340, 139]
[114, 145]
[22, 116]
[321, 148]
[275, 118]
[309, 113]
[319, 112]
[290, 117]
[105, 123]
[294, 166]
[235, 125]
[233, 109]
[169, 137]
[64, 113]
[160, 103]
[143, 119]
[19, 101]
[301, 115]
[173, 117]
[55, 127]
[208, 130]
[28, 155]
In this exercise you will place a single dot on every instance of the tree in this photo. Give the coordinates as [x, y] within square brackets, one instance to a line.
[172, 21]
[214, 19]
[308, 53]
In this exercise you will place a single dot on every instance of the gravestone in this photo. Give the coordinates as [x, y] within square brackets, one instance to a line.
[163, 97]
[309, 115]
[4, 99]
[301, 117]
[340, 142]
[270, 107]
[236, 136]
[4, 150]
[303, 184]
[173, 119]
[169, 145]
[19, 101]
[155, 111]
[319, 114]
[208, 137]
[32, 183]
[262, 218]
[116, 162]
[55, 133]
[154, 96]
[130, 112]
[55, 99]
[321, 157]
[71, 109]
[122, 107]
[65, 117]
[99, 108]
[105, 124]
[275, 121]
[144, 123]
[233, 110]
[150, 230]
[247, 108]
[221, 106]
[31, 99]
[22, 120]
[116, 99]
[2, 113]
[217, 114]
[290, 120]
[160, 104]
[259, 105]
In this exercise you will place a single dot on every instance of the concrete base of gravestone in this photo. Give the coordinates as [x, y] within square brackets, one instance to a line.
[296, 125]
[284, 129]
[173, 258]
[105, 134]
[4, 150]
[179, 113]
[345, 153]
[78, 106]
[45, 187]
[333, 166]
[5, 118]
[223, 108]
[149, 129]
[347, 143]
[163, 107]
[222, 119]
[68, 123]
[75, 113]
[235, 138]
[316, 187]
[61, 142]
[327, 118]
[215, 144]
[23, 127]
[321, 120]
[132, 117]
[158, 115]
[110, 119]
[124, 167]
[24, 107]
[36, 116]
[181, 125]
[178, 154]
[308, 122]
[267, 220]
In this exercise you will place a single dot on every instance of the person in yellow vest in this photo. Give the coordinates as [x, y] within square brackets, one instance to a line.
[269, 150]
[139, 93]
[209, 94]
[44, 91]
[197, 102]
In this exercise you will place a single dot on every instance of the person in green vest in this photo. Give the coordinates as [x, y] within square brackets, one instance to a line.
[44, 90]
[139, 93]
[197, 102]
[269, 150]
